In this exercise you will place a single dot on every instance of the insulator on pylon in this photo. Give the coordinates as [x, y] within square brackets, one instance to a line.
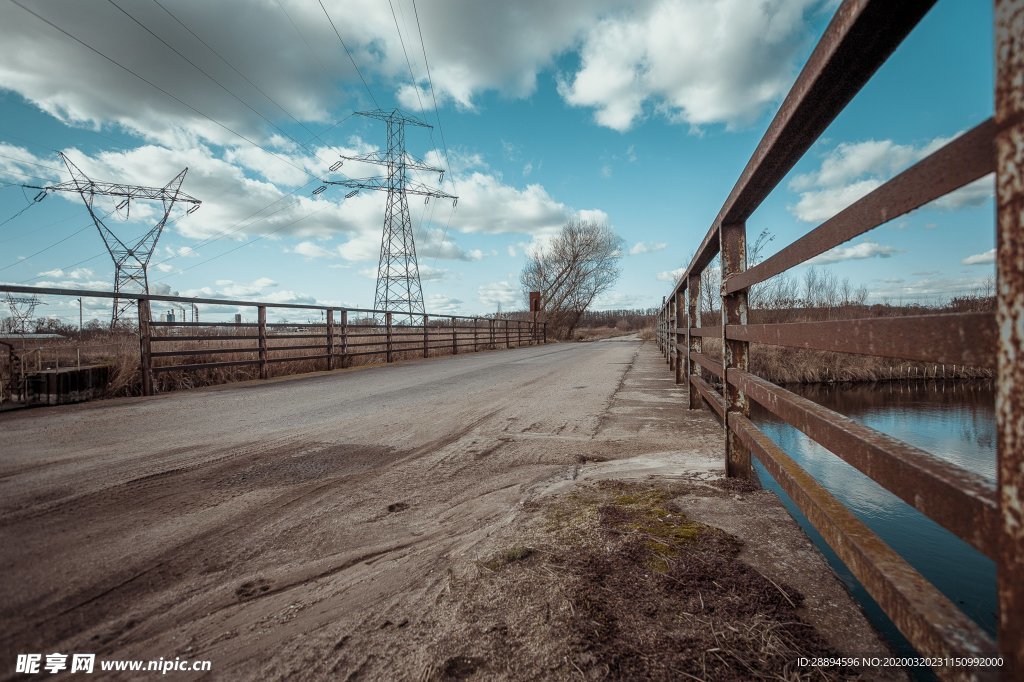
[352, 194]
[426, 199]
[122, 204]
[319, 190]
[336, 165]
[40, 196]
[192, 209]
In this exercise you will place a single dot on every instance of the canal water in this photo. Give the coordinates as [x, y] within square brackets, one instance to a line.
[954, 420]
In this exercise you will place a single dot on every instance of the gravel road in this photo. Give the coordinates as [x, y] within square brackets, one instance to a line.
[230, 523]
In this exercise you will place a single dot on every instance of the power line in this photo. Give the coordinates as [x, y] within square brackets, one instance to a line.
[440, 128]
[233, 68]
[351, 59]
[154, 85]
[412, 76]
[214, 80]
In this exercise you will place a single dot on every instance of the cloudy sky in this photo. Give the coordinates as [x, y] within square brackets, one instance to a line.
[640, 114]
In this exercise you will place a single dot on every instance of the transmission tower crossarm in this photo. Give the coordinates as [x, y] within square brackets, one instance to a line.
[379, 159]
[113, 189]
[395, 116]
[381, 183]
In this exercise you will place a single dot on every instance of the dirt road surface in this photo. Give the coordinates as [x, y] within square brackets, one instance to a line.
[260, 525]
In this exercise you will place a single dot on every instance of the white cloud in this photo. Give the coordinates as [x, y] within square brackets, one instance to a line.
[311, 250]
[646, 247]
[981, 258]
[853, 169]
[501, 293]
[699, 62]
[606, 171]
[670, 275]
[859, 251]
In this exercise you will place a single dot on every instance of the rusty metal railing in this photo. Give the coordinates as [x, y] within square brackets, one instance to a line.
[343, 334]
[856, 43]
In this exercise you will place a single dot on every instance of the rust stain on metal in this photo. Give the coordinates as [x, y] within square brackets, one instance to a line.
[955, 498]
[1009, 31]
[951, 338]
[923, 614]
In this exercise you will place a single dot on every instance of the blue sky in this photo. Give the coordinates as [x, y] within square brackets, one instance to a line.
[640, 114]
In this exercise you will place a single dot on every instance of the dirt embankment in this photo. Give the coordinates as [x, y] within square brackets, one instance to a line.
[609, 581]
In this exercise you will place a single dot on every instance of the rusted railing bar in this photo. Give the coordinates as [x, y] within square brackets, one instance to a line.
[858, 40]
[711, 332]
[204, 324]
[951, 338]
[203, 365]
[240, 337]
[290, 336]
[958, 500]
[713, 397]
[1009, 114]
[964, 160]
[205, 351]
[707, 363]
[321, 346]
[924, 615]
[299, 358]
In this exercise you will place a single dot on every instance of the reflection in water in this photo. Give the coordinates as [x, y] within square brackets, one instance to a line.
[952, 420]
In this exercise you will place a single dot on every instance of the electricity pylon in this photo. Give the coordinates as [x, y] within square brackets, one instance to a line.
[22, 308]
[398, 273]
[131, 259]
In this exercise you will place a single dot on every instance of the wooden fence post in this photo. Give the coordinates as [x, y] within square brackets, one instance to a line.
[508, 343]
[330, 339]
[426, 336]
[345, 360]
[475, 321]
[387, 322]
[733, 248]
[519, 333]
[261, 312]
[490, 345]
[145, 346]
[455, 336]
[545, 332]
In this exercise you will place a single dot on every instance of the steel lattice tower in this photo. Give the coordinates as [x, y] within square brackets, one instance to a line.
[398, 275]
[131, 259]
[22, 308]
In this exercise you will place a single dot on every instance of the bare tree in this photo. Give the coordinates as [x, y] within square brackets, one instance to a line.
[578, 265]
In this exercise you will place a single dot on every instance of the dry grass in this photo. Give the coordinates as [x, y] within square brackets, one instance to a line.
[613, 581]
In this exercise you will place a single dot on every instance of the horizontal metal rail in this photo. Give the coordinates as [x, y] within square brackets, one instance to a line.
[989, 516]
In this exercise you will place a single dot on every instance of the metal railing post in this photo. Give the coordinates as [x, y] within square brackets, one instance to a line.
[261, 314]
[733, 248]
[545, 329]
[490, 345]
[670, 313]
[145, 346]
[519, 333]
[455, 336]
[387, 322]
[344, 339]
[330, 339]
[508, 343]
[426, 336]
[475, 321]
[1009, 116]
[679, 338]
[693, 343]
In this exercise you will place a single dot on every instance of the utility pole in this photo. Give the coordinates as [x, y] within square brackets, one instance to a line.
[130, 258]
[79, 299]
[398, 275]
